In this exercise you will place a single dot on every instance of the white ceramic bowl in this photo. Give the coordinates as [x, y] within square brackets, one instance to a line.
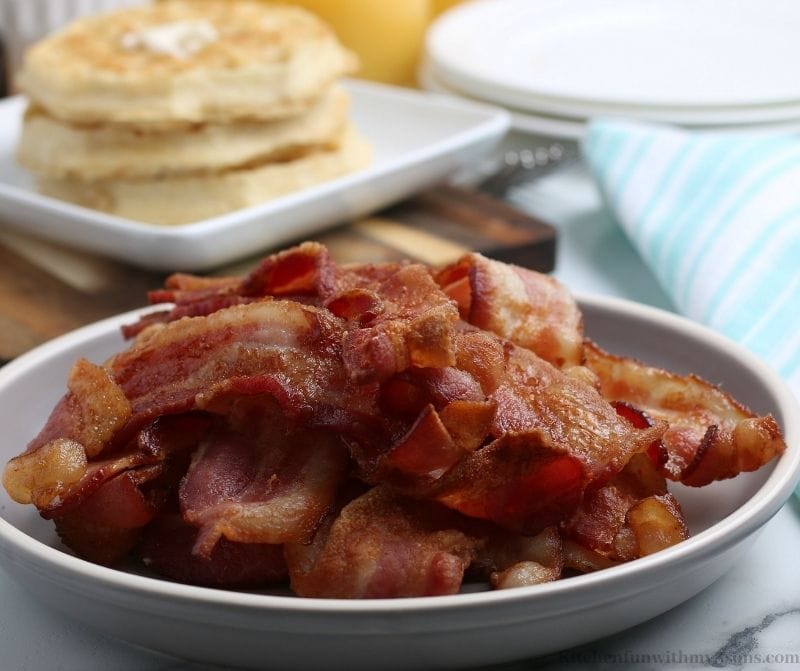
[261, 630]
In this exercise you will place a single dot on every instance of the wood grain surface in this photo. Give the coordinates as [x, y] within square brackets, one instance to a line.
[47, 290]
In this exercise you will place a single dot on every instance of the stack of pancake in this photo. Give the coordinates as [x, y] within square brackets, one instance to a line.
[187, 109]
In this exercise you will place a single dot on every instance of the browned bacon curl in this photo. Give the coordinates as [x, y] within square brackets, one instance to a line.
[376, 431]
[710, 435]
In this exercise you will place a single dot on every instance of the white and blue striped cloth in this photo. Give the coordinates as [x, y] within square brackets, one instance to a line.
[717, 219]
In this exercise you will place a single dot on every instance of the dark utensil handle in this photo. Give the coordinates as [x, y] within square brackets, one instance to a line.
[3, 69]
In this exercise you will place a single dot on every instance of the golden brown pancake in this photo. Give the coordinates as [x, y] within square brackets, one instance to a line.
[184, 199]
[207, 61]
[54, 148]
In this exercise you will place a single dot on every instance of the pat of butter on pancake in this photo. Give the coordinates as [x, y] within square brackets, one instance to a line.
[179, 39]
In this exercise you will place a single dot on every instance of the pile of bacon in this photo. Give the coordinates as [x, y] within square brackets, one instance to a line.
[376, 431]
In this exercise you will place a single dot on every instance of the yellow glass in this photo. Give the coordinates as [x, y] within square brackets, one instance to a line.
[440, 6]
[387, 35]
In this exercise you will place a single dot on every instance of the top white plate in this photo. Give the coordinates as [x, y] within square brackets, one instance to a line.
[573, 126]
[417, 139]
[521, 120]
[274, 631]
[687, 54]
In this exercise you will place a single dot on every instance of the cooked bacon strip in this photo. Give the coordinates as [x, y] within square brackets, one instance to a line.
[483, 356]
[167, 549]
[527, 395]
[436, 442]
[273, 488]
[517, 561]
[426, 451]
[193, 296]
[119, 501]
[631, 516]
[436, 439]
[57, 476]
[530, 309]
[601, 515]
[641, 420]
[529, 561]
[447, 384]
[91, 411]
[194, 308]
[95, 542]
[412, 328]
[145, 321]
[657, 523]
[165, 369]
[599, 524]
[106, 525]
[524, 574]
[69, 495]
[171, 434]
[235, 426]
[468, 422]
[521, 481]
[42, 475]
[282, 348]
[359, 306]
[555, 435]
[401, 317]
[305, 270]
[579, 558]
[406, 395]
[710, 437]
[186, 289]
[574, 416]
[383, 545]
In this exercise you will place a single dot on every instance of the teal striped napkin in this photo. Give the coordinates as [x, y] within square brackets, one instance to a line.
[717, 219]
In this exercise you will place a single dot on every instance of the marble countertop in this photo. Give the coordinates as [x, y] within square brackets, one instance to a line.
[749, 619]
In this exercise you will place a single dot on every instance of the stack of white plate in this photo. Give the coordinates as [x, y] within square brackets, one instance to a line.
[725, 65]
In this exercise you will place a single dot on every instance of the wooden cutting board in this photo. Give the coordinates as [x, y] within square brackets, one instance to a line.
[47, 290]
